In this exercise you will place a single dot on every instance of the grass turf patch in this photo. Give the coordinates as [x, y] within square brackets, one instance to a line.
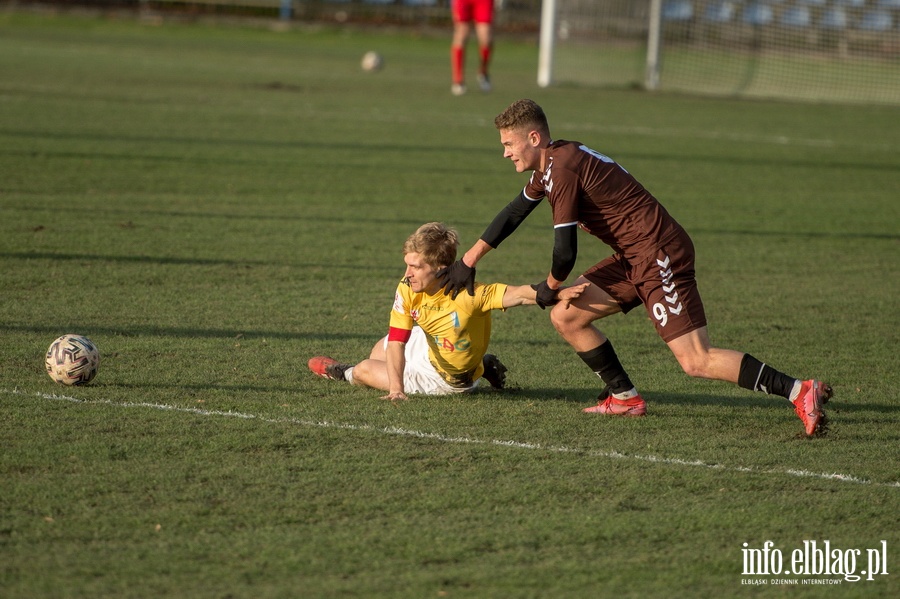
[213, 206]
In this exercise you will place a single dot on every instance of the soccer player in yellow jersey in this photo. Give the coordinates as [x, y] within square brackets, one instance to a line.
[436, 344]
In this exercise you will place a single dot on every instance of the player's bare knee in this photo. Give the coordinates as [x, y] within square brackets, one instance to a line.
[694, 366]
[563, 320]
[362, 373]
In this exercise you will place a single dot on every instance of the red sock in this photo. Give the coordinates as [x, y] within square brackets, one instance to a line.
[457, 57]
[485, 58]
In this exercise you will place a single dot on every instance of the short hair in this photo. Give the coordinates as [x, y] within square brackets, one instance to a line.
[435, 242]
[523, 114]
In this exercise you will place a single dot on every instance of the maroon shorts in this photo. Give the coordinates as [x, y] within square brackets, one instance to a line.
[664, 283]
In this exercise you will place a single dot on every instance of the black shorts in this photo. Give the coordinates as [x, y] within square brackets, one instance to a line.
[664, 283]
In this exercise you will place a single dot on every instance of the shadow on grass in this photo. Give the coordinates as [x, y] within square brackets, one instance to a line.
[750, 400]
[180, 142]
[131, 212]
[300, 389]
[175, 260]
[187, 333]
[205, 387]
[589, 397]
[795, 234]
[356, 147]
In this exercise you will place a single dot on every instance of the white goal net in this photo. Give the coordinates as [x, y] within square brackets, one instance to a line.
[818, 50]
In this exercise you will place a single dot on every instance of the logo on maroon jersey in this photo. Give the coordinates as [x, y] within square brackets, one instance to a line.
[548, 184]
[661, 311]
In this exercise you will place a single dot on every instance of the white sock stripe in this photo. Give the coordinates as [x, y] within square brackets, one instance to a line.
[759, 376]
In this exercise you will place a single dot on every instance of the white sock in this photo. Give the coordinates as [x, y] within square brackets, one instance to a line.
[626, 395]
[795, 391]
[348, 375]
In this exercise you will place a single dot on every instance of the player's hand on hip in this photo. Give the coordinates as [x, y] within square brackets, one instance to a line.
[456, 277]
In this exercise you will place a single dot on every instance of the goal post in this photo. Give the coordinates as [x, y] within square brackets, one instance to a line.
[546, 43]
[654, 30]
[844, 51]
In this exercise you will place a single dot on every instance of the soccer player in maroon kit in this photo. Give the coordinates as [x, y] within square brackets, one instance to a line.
[653, 265]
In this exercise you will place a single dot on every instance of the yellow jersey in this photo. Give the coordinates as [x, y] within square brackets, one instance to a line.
[458, 331]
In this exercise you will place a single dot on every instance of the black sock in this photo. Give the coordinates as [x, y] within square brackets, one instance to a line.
[756, 376]
[604, 362]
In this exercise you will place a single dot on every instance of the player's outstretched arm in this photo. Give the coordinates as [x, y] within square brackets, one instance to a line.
[526, 295]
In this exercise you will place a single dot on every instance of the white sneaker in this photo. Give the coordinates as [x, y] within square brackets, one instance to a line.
[484, 82]
[458, 89]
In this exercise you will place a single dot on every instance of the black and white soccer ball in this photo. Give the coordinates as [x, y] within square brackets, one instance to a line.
[72, 360]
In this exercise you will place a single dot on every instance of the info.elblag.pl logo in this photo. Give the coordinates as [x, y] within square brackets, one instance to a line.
[818, 559]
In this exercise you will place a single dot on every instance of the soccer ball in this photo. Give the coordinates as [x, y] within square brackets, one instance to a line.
[372, 61]
[72, 360]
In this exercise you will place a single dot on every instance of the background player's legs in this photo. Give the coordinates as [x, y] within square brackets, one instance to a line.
[458, 55]
[484, 33]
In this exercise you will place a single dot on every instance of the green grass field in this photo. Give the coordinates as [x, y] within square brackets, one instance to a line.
[213, 205]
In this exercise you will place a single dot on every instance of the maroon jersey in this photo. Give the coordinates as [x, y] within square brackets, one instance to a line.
[591, 190]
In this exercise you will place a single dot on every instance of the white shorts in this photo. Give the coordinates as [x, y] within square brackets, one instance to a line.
[420, 376]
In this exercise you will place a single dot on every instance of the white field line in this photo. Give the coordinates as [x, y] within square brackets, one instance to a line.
[392, 430]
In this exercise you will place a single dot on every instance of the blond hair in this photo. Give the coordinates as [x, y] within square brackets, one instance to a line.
[523, 114]
[435, 242]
